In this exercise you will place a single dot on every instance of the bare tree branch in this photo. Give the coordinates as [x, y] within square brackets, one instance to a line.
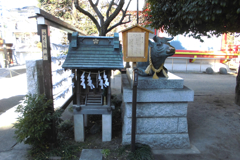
[96, 3]
[109, 8]
[102, 26]
[100, 16]
[120, 22]
[115, 13]
[87, 14]
[128, 5]
[123, 16]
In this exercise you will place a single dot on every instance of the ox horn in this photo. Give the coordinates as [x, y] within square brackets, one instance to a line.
[169, 39]
[162, 39]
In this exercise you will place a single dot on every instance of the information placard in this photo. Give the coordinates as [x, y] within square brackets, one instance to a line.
[136, 44]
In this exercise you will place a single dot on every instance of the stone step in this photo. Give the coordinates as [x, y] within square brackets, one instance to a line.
[91, 154]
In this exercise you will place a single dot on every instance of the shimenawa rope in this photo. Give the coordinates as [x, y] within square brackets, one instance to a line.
[150, 66]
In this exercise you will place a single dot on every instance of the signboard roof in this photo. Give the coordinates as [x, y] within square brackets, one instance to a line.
[138, 27]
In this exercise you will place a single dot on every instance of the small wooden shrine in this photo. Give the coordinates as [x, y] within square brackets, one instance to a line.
[93, 58]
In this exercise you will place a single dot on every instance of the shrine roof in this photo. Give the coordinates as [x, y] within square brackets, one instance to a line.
[94, 52]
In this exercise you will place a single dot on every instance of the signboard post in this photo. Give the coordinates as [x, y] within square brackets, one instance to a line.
[134, 104]
[135, 49]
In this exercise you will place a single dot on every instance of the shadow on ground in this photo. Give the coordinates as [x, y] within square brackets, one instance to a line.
[10, 102]
[9, 73]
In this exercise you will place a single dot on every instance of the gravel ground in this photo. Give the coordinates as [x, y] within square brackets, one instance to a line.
[213, 118]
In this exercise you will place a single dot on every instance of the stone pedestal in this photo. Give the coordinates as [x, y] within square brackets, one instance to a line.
[106, 127]
[79, 130]
[161, 112]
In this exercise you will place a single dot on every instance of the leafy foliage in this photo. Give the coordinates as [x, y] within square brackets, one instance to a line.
[195, 18]
[66, 150]
[36, 121]
[142, 152]
[105, 152]
[65, 126]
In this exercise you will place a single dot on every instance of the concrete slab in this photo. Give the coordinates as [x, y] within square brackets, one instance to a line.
[192, 150]
[7, 139]
[14, 154]
[7, 132]
[21, 146]
[91, 154]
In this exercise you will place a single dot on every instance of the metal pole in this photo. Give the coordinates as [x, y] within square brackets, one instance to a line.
[200, 65]
[186, 64]
[5, 54]
[214, 63]
[6, 65]
[137, 11]
[134, 103]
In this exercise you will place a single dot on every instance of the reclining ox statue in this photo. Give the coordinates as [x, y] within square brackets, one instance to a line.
[158, 50]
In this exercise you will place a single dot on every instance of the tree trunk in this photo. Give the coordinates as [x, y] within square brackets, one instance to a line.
[103, 30]
[237, 89]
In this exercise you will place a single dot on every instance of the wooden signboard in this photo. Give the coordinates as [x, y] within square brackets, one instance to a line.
[135, 44]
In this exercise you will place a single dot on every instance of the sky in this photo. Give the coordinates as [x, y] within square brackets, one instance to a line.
[18, 3]
[22, 3]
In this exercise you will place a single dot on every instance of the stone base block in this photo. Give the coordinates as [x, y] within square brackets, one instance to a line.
[192, 150]
[148, 82]
[161, 114]
[160, 141]
[173, 125]
[158, 109]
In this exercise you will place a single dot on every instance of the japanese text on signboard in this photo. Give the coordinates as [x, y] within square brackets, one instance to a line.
[135, 44]
[44, 44]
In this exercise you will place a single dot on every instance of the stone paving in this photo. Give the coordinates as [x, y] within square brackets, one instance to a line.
[12, 91]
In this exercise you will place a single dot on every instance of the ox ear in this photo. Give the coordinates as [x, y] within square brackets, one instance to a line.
[150, 43]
